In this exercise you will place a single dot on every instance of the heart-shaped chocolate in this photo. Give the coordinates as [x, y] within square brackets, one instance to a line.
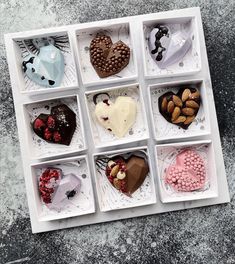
[117, 117]
[127, 175]
[188, 173]
[108, 58]
[56, 189]
[46, 68]
[69, 186]
[181, 108]
[58, 126]
[167, 48]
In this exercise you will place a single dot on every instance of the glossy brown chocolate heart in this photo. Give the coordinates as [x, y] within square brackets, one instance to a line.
[108, 58]
[127, 175]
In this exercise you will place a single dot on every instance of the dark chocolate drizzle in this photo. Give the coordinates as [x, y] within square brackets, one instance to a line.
[71, 194]
[97, 95]
[51, 82]
[24, 64]
[162, 31]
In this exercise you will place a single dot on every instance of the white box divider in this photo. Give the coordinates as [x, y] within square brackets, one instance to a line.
[165, 131]
[82, 203]
[165, 157]
[110, 198]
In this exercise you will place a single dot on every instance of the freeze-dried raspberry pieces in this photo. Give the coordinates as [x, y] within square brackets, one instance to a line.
[48, 182]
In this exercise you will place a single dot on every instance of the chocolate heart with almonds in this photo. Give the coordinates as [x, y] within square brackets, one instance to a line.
[108, 58]
[127, 175]
[181, 108]
[57, 127]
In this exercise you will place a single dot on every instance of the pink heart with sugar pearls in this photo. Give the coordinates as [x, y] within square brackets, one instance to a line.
[188, 173]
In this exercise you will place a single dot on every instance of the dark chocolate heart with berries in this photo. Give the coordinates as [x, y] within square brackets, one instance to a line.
[108, 58]
[180, 109]
[57, 127]
[127, 175]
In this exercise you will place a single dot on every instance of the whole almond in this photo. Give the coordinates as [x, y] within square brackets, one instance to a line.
[180, 119]
[175, 113]
[188, 111]
[185, 94]
[194, 95]
[192, 104]
[164, 104]
[189, 120]
[170, 107]
[177, 101]
[114, 170]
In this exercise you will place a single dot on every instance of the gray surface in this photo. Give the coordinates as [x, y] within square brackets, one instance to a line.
[194, 236]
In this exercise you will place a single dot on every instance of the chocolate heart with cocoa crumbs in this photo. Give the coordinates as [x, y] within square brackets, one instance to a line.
[180, 109]
[108, 58]
[57, 127]
[188, 173]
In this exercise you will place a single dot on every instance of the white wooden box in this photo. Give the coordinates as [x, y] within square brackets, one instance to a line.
[138, 72]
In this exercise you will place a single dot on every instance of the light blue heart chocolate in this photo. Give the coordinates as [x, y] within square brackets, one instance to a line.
[46, 68]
